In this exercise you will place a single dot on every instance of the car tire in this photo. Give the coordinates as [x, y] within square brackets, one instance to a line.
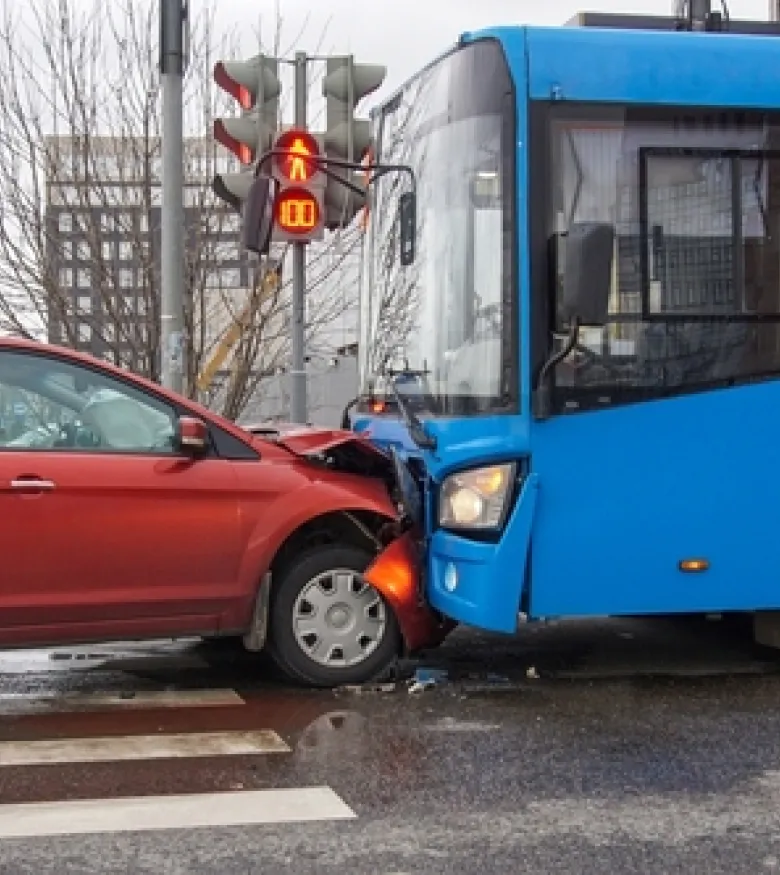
[313, 593]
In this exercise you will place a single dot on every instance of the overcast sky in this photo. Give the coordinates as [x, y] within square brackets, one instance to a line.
[404, 34]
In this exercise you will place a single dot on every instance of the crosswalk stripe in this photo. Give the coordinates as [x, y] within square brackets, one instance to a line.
[59, 751]
[127, 660]
[141, 813]
[52, 703]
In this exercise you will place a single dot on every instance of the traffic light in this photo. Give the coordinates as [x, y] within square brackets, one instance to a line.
[346, 138]
[233, 188]
[299, 202]
[255, 85]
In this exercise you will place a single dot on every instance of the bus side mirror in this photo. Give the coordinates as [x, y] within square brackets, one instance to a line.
[587, 273]
[407, 226]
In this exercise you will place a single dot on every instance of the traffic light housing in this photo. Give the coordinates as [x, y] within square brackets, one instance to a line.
[346, 137]
[255, 85]
[233, 188]
[299, 213]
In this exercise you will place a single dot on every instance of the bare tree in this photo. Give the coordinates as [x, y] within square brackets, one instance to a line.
[397, 291]
[80, 195]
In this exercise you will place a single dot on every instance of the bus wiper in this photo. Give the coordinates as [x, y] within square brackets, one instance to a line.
[416, 430]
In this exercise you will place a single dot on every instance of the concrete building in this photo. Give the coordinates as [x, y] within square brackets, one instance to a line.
[103, 199]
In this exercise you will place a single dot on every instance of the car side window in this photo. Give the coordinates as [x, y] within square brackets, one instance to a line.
[47, 403]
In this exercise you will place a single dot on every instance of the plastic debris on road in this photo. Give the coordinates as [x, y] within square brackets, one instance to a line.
[362, 689]
[425, 678]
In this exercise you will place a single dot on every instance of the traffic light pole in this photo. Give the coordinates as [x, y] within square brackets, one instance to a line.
[298, 357]
[173, 18]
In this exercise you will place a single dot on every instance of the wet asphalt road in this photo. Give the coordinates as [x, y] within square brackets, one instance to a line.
[582, 748]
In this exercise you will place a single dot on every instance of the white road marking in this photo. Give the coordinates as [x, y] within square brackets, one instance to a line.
[118, 656]
[140, 747]
[250, 807]
[35, 703]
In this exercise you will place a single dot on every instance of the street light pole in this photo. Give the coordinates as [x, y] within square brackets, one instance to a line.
[298, 356]
[174, 15]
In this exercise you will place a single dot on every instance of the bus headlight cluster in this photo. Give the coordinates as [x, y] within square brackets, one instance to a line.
[476, 499]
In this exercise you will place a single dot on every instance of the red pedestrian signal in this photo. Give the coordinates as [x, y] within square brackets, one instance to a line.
[299, 214]
[298, 163]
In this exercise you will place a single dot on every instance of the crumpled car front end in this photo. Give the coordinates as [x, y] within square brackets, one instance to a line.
[397, 570]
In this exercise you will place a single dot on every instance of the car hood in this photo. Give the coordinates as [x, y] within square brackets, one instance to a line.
[312, 441]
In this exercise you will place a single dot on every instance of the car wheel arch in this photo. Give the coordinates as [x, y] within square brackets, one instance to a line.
[358, 527]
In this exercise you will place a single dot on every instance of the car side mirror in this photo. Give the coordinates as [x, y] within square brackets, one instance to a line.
[192, 435]
[587, 273]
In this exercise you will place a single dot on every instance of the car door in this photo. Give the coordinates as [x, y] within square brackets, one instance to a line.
[106, 528]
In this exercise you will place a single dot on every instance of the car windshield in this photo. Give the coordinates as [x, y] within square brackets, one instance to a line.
[449, 316]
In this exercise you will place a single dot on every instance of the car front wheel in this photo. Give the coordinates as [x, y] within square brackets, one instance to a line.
[328, 625]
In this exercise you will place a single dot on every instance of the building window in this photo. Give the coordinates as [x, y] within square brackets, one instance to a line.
[85, 333]
[125, 250]
[106, 222]
[84, 279]
[83, 250]
[231, 278]
[67, 250]
[230, 224]
[66, 276]
[85, 303]
[107, 250]
[126, 278]
[230, 251]
[66, 222]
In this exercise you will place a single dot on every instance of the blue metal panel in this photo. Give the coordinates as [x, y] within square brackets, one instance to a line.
[626, 493]
[704, 69]
[635, 66]
[386, 432]
[490, 577]
[469, 443]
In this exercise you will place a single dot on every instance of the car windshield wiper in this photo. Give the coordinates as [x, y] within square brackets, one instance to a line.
[416, 430]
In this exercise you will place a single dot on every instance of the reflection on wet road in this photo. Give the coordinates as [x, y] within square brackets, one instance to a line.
[573, 748]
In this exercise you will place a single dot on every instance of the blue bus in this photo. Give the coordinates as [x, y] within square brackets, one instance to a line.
[590, 325]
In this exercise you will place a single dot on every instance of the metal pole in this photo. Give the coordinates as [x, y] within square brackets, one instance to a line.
[298, 362]
[173, 14]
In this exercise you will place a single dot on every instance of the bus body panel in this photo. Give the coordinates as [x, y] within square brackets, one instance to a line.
[627, 493]
[481, 584]
[470, 443]
[647, 67]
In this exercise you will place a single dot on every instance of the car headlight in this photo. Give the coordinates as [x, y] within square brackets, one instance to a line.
[476, 499]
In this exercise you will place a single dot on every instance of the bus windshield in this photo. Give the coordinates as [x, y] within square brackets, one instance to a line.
[450, 316]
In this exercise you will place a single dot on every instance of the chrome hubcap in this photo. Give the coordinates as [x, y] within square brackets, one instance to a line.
[338, 619]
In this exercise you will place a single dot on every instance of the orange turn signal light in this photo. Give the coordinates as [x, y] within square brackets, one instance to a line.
[694, 565]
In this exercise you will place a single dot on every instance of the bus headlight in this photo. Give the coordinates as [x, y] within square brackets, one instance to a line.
[476, 499]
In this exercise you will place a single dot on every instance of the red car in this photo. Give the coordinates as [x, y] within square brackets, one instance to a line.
[129, 512]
